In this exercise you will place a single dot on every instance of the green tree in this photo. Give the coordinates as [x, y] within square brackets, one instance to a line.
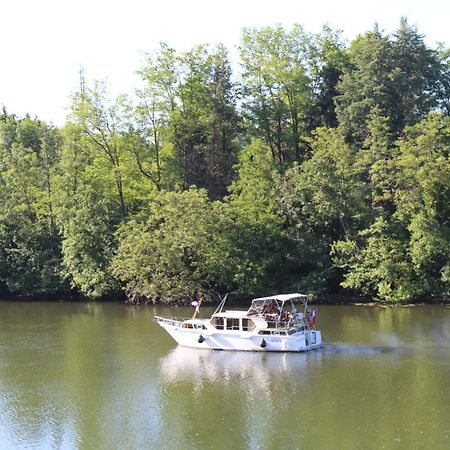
[289, 82]
[166, 254]
[101, 124]
[378, 263]
[29, 154]
[153, 147]
[403, 254]
[397, 76]
[88, 242]
[415, 77]
[194, 100]
[277, 87]
[97, 188]
[365, 86]
[327, 60]
[320, 202]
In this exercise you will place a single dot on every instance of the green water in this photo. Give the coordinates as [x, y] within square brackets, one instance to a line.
[104, 376]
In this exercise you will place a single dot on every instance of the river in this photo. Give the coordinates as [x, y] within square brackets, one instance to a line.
[105, 376]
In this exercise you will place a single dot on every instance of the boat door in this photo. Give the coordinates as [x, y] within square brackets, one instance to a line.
[311, 338]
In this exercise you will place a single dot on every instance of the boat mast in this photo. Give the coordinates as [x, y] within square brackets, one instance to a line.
[221, 305]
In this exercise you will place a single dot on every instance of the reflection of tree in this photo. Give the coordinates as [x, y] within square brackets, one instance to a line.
[76, 376]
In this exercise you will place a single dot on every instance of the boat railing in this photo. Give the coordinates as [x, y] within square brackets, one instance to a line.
[277, 324]
[286, 324]
[174, 321]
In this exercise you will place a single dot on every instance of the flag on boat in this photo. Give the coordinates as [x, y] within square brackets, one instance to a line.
[312, 318]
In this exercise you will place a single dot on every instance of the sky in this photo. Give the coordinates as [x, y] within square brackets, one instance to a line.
[43, 43]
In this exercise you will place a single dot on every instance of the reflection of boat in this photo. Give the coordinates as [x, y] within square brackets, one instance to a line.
[200, 366]
[270, 324]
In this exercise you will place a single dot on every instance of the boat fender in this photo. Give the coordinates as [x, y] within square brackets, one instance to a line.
[201, 339]
[263, 343]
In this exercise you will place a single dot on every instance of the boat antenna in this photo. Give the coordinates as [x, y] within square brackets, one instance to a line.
[221, 304]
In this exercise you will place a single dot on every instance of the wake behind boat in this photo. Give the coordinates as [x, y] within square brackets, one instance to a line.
[270, 324]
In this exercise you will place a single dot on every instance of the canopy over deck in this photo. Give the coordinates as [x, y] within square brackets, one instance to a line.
[284, 297]
[275, 304]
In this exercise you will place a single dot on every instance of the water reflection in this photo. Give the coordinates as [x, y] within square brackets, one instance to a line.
[208, 366]
[198, 366]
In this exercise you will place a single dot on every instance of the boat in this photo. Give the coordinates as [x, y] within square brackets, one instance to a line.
[271, 324]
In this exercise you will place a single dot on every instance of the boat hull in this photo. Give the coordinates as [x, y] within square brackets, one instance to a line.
[244, 341]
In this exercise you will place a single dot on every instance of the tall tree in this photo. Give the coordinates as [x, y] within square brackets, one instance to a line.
[415, 77]
[327, 61]
[101, 123]
[194, 101]
[403, 254]
[320, 202]
[29, 155]
[97, 190]
[157, 100]
[365, 86]
[398, 76]
[277, 87]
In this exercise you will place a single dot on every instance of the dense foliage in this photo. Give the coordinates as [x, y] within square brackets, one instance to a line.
[324, 167]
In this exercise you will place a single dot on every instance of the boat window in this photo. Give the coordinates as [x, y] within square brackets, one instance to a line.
[274, 332]
[248, 325]
[199, 326]
[279, 333]
[218, 322]
[232, 324]
[187, 325]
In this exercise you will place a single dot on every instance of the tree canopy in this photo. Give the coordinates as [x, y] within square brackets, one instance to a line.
[322, 167]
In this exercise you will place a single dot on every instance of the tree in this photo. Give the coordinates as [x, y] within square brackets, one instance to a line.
[194, 101]
[289, 82]
[102, 125]
[97, 189]
[88, 243]
[403, 254]
[378, 263]
[397, 76]
[29, 154]
[320, 202]
[415, 77]
[150, 119]
[277, 87]
[168, 255]
[365, 86]
[327, 60]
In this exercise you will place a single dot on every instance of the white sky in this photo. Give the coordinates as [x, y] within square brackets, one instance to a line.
[44, 42]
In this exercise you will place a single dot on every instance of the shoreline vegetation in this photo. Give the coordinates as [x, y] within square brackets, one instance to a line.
[328, 299]
[323, 168]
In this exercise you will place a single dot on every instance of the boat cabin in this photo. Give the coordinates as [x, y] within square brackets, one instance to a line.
[276, 312]
[233, 320]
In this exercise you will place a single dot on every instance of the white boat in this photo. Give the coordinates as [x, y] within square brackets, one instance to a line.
[270, 324]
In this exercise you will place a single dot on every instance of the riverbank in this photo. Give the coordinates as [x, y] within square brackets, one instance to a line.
[341, 298]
